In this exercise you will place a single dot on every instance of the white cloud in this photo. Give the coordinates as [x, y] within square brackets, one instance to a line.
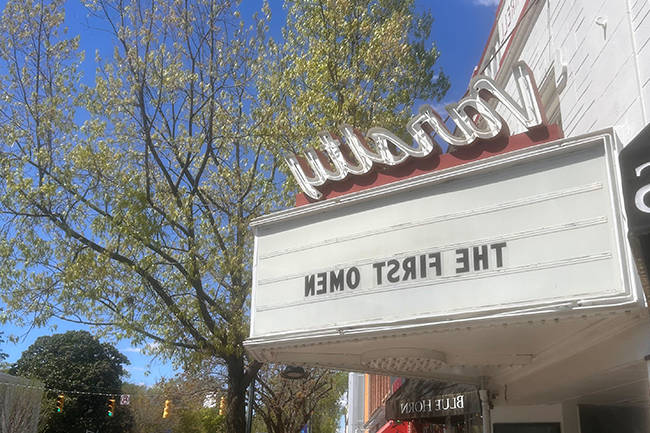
[131, 368]
[131, 349]
[487, 2]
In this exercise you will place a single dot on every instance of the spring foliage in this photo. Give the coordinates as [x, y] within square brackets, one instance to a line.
[360, 62]
[126, 197]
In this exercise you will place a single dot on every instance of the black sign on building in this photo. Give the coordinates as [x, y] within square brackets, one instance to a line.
[433, 401]
[634, 161]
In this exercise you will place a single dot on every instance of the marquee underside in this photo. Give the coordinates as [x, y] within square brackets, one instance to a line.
[542, 359]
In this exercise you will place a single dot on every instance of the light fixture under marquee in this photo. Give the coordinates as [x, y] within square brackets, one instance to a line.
[294, 372]
[390, 150]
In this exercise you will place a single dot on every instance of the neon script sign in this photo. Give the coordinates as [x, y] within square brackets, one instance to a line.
[354, 156]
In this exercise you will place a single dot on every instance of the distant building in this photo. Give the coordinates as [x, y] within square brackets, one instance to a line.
[20, 404]
[367, 394]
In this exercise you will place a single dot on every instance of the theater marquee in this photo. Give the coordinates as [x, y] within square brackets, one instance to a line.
[534, 228]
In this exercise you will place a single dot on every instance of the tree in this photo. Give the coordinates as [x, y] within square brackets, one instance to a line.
[360, 62]
[127, 203]
[136, 219]
[86, 372]
[285, 405]
[188, 412]
[146, 408]
[201, 420]
[329, 410]
[196, 403]
[3, 355]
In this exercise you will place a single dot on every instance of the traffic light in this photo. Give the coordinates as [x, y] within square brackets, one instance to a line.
[168, 404]
[222, 406]
[111, 407]
[59, 403]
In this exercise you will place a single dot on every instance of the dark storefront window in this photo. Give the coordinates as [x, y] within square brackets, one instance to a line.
[527, 428]
[614, 419]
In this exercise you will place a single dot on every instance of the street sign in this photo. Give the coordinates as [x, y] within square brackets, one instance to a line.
[125, 399]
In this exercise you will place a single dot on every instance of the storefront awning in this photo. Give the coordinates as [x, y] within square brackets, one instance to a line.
[391, 427]
[377, 419]
[420, 399]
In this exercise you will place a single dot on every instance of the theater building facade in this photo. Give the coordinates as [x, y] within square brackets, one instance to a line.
[496, 259]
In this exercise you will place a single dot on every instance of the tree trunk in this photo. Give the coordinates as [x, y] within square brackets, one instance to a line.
[236, 398]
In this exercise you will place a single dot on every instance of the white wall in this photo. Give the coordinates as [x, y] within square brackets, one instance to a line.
[566, 414]
[538, 413]
[570, 418]
[605, 45]
[602, 86]
[639, 15]
[356, 402]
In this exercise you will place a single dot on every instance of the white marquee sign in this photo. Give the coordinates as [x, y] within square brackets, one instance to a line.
[468, 131]
[533, 229]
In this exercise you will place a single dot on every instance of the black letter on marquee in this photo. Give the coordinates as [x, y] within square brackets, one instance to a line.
[499, 250]
[409, 268]
[436, 263]
[379, 267]
[423, 266]
[394, 267]
[481, 258]
[309, 285]
[336, 280]
[463, 259]
[322, 282]
[353, 278]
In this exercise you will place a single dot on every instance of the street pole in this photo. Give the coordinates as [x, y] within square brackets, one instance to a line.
[485, 405]
[249, 409]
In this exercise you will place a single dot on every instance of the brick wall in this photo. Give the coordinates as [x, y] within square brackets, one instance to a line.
[378, 391]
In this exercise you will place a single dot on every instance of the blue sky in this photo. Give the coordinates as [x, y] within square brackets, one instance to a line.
[460, 31]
